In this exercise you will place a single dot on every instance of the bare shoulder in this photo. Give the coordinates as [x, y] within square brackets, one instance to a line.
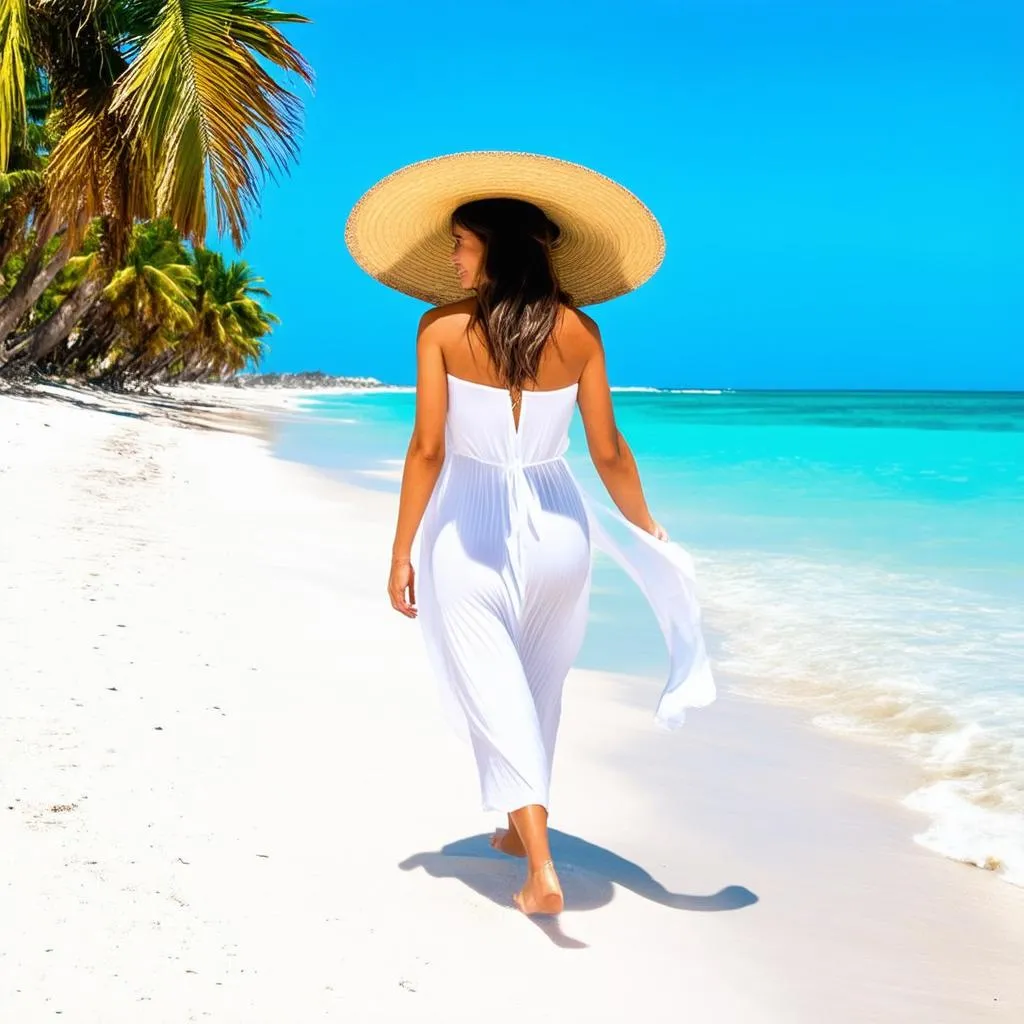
[586, 324]
[580, 334]
[443, 322]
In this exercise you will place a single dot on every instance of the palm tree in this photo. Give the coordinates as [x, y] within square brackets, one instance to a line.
[22, 184]
[155, 100]
[230, 322]
[168, 312]
[149, 299]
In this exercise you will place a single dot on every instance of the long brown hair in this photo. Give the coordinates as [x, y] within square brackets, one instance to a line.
[518, 296]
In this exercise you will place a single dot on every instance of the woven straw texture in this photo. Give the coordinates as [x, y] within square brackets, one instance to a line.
[399, 232]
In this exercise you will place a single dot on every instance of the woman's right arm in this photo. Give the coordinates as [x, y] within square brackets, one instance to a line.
[423, 460]
[612, 458]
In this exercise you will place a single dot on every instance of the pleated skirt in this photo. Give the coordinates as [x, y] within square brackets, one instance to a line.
[503, 595]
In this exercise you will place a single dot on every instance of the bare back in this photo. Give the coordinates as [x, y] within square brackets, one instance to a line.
[571, 346]
[574, 355]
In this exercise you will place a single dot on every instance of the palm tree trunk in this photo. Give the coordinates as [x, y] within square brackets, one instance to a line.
[158, 369]
[121, 371]
[97, 333]
[44, 338]
[31, 283]
[9, 239]
[92, 344]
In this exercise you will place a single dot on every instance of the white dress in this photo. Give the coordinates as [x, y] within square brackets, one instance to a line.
[504, 583]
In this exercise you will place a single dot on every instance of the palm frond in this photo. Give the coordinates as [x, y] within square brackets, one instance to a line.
[198, 102]
[172, 282]
[14, 59]
[80, 171]
[253, 27]
[14, 182]
[78, 266]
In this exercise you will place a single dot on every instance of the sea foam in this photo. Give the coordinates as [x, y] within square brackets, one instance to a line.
[897, 659]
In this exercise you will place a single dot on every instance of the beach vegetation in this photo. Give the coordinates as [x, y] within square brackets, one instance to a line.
[170, 312]
[129, 130]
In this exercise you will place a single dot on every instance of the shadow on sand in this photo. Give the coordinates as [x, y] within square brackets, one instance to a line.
[143, 404]
[587, 873]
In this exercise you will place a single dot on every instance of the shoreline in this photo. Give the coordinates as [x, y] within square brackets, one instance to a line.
[965, 821]
[241, 692]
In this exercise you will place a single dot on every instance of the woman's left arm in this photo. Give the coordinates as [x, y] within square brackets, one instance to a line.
[423, 460]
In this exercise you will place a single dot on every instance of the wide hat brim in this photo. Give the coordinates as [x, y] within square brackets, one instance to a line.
[400, 230]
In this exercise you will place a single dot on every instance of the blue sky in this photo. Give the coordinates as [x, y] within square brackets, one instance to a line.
[841, 182]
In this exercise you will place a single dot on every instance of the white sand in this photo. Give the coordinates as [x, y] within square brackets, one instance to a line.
[199, 662]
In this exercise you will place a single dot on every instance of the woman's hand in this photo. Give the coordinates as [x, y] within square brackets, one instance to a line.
[402, 587]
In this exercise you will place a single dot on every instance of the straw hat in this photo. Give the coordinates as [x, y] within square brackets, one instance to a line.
[400, 231]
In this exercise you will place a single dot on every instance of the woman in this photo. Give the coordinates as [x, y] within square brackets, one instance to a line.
[505, 532]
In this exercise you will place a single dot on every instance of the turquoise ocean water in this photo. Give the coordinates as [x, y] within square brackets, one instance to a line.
[859, 554]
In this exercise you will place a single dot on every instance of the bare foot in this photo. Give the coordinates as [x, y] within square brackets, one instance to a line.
[542, 893]
[508, 841]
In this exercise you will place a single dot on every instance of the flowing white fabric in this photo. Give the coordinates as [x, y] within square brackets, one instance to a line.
[504, 586]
